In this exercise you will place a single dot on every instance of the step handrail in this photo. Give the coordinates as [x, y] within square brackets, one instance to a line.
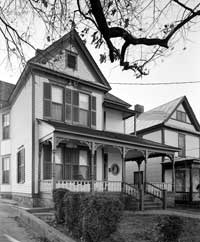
[154, 191]
[131, 190]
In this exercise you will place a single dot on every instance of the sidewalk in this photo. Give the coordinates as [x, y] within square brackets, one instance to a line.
[10, 228]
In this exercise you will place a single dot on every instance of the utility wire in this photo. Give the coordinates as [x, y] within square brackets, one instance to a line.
[153, 83]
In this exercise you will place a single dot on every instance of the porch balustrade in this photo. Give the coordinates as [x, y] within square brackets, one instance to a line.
[163, 186]
[82, 185]
[46, 185]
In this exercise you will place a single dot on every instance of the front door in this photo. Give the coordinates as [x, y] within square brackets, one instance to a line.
[138, 178]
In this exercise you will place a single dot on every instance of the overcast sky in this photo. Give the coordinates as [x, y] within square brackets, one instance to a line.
[182, 66]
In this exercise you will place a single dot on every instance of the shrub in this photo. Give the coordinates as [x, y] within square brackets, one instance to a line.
[100, 217]
[170, 228]
[58, 197]
[73, 220]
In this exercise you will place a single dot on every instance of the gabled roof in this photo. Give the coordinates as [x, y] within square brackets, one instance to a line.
[73, 35]
[162, 113]
[5, 92]
[113, 99]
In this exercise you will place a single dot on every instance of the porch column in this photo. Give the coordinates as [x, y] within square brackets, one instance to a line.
[145, 168]
[191, 182]
[53, 155]
[123, 167]
[173, 173]
[139, 162]
[92, 166]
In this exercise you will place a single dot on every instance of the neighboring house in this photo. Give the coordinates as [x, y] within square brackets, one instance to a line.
[173, 123]
[61, 128]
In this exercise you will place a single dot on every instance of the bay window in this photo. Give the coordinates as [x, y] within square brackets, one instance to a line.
[71, 106]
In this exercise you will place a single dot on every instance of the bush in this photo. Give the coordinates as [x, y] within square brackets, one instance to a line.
[100, 217]
[170, 228]
[58, 198]
[91, 217]
[73, 220]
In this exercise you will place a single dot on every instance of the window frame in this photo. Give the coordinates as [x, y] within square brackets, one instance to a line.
[70, 105]
[181, 116]
[21, 166]
[7, 127]
[4, 180]
[182, 152]
[75, 55]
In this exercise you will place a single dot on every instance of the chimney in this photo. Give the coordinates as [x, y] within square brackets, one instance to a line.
[139, 109]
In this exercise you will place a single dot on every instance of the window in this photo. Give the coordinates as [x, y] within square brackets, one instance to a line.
[5, 170]
[76, 164]
[181, 144]
[71, 60]
[6, 125]
[69, 105]
[21, 166]
[181, 116]
[53, 102]
[47, 165]
[57, 103]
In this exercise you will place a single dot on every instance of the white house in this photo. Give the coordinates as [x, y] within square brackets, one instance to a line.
[173, 123]
[62, 128]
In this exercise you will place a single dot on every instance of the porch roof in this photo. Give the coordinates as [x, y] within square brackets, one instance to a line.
[107, 137]
[182, 162]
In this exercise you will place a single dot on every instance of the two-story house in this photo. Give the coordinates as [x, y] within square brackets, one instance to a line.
[61, 128]
[173, 123]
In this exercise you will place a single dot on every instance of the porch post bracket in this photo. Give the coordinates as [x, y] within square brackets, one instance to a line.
[58, 140]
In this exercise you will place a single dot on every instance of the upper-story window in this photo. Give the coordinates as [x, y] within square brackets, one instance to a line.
[6, 126]
[71, 60]
[181, 116]
[68, 105]
[181, 144]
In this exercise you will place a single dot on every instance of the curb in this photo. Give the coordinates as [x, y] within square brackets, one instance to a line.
[40, 227]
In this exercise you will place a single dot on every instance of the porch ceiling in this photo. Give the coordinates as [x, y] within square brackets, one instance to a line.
[111, 138]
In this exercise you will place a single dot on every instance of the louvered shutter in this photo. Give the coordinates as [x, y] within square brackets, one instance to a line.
[93, 111]
[46, 99]
[75, 106]
[68, 105]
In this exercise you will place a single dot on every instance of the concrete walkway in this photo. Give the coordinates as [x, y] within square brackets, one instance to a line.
[10, 229]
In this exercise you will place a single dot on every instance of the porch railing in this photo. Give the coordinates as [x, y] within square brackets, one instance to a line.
[154, 190]
[85, 185]
[131, 190]
[163, 185]
[46, 185]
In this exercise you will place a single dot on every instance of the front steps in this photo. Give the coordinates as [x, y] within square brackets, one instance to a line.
[151, 203]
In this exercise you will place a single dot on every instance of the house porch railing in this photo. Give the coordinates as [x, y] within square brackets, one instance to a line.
[163, 185]
[82, 185]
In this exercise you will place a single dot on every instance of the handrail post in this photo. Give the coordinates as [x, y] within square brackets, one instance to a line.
[164, 199]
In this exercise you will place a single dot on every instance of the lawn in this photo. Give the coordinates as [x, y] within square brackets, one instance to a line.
[142, 228]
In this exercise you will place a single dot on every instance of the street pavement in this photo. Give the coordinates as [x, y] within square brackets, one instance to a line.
[11, 230]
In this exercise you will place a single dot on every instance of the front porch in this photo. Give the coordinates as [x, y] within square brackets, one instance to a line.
[84, 160]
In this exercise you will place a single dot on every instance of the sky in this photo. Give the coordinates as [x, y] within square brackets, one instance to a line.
[183, 66]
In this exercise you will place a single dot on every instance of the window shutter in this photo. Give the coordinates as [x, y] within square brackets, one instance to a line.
[75, 98]
[47, 100]
[93, 111]
[23, 165]
[75, 105]
[68, 105]
[75, 114]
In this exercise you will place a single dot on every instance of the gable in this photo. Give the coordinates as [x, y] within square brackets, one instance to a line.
[57, 56]
[183, 117]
